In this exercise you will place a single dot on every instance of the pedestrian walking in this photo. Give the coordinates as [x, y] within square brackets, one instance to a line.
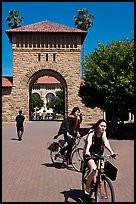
[19, 124]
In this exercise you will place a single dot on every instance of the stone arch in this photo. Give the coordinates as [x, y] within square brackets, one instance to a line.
[42, 72]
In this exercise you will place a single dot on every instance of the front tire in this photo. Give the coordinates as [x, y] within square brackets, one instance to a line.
[105, 191]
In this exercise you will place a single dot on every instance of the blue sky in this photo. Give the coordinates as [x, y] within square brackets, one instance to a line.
[113, 21]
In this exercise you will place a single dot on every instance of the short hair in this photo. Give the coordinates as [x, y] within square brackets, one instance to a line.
[20, 111]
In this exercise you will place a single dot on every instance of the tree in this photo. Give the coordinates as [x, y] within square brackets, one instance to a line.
[36, 102]
[83, 21]
[109, 77]
[14, 17]
[57, 103]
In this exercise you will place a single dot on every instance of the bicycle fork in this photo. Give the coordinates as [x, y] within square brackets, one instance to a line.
[102, 188]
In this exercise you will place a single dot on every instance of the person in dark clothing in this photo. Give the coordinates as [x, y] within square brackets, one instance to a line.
[72, 124]
[19, 124]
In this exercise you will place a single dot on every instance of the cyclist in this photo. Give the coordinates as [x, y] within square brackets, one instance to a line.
[95, 143]
[72, 124]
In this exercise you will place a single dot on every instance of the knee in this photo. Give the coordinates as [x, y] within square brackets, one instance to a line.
[93, 171]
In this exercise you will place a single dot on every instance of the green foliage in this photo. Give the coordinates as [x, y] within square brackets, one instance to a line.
[14, 17]
[57, 103]
[109, 76]
[83, 20]
[36, 102]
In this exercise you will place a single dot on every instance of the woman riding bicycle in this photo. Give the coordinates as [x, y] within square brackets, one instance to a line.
[95, 143]
[71, 130]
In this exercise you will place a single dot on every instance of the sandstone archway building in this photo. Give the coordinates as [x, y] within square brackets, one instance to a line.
[45, 49]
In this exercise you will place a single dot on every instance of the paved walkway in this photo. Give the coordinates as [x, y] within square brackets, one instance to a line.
[29, 176]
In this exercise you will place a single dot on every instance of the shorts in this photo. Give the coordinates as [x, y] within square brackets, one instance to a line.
[87, 157]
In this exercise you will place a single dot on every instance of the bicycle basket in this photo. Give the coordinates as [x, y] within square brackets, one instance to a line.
[53, 147]
[110, 170]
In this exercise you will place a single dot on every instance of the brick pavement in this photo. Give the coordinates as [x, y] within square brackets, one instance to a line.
[29, 176]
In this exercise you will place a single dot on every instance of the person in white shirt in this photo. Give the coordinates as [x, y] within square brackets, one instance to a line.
[95, 143]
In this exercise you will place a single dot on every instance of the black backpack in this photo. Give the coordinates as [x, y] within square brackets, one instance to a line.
[62, 128]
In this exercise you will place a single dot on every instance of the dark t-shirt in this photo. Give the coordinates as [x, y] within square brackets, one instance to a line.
[70, 126]
[97, 145]
[20, 119]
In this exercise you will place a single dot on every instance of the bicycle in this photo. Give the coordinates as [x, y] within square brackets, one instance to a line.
[102, 189]
[76, 155]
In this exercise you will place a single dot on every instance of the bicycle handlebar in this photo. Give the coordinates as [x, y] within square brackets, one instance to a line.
[102, 157]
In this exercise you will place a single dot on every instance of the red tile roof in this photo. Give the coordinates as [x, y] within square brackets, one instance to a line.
[46, 27]
[7, 81]
[47, 80]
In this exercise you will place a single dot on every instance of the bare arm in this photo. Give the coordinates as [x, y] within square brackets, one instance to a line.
[89, 143]
[107, 144]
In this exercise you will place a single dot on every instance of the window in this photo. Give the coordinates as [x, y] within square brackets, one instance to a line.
[30, 41]
[49, 96]
[39, 57]
[54, 57]
[36, 95]
[46, 57]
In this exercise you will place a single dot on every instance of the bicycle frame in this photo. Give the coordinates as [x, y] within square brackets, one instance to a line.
[76, 154]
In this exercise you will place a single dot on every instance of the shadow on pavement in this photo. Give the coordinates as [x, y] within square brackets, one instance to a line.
[76, 195]
[58, 165]
[15, 139]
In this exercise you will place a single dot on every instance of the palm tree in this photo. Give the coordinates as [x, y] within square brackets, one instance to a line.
[83, 21]
[14, 16]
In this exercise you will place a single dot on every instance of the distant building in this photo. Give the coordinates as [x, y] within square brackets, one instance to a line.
[45, 88]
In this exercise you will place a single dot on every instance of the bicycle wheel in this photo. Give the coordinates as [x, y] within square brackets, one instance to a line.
[56, 159]
[105, 191]
[77, 157]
